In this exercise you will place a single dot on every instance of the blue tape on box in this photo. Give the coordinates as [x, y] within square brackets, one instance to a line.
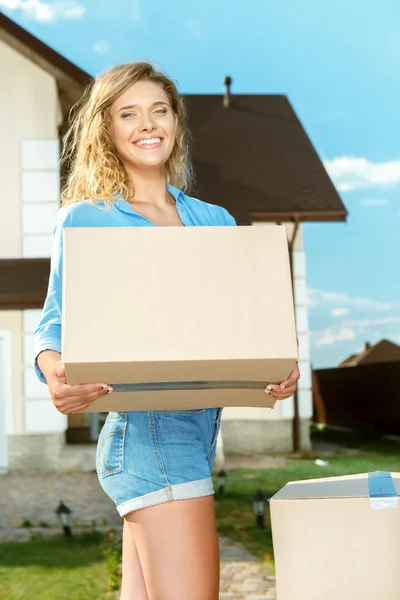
[382, 492]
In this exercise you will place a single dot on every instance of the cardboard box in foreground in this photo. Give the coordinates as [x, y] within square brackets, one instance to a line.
[178, 317]
[338, 538]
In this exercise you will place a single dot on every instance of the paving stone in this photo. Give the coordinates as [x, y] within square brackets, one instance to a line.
[244, 579]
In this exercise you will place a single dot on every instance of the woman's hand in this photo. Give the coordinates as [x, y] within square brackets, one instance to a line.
[286, 388]
[73, 398]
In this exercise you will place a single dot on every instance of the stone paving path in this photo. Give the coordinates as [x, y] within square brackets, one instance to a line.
[243, 577]
[34, 499]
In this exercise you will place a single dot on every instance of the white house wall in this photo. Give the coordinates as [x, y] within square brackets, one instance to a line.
[10, 321]
[29, 156]
[29, 110]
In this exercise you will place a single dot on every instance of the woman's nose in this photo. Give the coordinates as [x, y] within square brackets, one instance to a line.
[146, 123]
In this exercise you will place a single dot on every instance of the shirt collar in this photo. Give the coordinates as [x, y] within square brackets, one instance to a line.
[124, 206]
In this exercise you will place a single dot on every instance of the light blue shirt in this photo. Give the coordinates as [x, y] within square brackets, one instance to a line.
[192, 212]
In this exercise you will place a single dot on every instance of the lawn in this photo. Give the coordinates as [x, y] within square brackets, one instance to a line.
[55, 568]
[80, 568]
[234, 510]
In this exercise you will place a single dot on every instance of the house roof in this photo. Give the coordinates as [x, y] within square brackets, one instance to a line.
[383, 351]
[70, 79]
[255, 158]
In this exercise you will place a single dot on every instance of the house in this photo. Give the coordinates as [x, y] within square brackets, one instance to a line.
[383, 351]
[362, 393]
[252, 156]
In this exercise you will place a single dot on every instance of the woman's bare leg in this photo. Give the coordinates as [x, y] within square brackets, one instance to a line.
[133, 586]
[178, 548]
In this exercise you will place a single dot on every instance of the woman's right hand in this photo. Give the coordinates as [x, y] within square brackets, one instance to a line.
[73, 398]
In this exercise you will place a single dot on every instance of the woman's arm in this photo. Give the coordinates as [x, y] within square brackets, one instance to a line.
[47, 362]
[47, 336]
[67, 398]
[47, 341]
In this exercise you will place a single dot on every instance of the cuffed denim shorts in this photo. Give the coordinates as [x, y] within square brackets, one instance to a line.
[147, 458]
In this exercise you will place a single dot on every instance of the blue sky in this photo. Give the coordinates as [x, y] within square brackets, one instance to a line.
[338, 62]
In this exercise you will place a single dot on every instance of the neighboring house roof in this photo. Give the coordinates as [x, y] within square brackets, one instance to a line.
[255, 158]
[70, 79]
[383, 351]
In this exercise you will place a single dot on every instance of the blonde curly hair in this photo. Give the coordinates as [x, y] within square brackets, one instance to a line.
[95, 172]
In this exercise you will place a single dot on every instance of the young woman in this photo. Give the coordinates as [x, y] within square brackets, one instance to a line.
[128, 161]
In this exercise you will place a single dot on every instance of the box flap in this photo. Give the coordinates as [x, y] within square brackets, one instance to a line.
[364, 485]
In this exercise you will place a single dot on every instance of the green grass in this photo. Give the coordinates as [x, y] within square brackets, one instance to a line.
[55, 568]
[234, 510]
[84, 567]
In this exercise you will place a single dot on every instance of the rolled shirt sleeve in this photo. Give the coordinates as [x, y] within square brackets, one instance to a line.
[47, 335]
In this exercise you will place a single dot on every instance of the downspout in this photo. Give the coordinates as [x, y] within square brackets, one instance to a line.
[296, 418]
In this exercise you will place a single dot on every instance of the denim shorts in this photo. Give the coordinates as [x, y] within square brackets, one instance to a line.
[146, 458]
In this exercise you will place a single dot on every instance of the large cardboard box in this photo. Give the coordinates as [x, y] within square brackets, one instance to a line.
[338, 538]
[178, 317]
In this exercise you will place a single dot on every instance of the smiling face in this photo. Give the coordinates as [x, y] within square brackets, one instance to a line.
[143, 126]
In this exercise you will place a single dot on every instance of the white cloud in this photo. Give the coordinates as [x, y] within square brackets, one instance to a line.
[329, 337]
[362, 324]
[101, 47]
[75, 11]
[10, 4]
[46, 12]
[351, 329]
[372, 202]
[352, 173]
[318, 297]
[339, 312]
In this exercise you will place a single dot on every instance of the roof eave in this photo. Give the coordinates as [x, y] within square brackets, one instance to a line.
[34, 46]
[321, 217]
[71, 80]
[21, 301]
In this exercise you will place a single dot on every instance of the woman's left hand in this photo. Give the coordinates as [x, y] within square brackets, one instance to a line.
[286, 388]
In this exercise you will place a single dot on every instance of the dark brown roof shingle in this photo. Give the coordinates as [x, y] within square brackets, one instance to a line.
[255, 158]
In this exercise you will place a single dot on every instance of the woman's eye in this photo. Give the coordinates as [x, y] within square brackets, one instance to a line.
[161, 111]
[128, 115]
